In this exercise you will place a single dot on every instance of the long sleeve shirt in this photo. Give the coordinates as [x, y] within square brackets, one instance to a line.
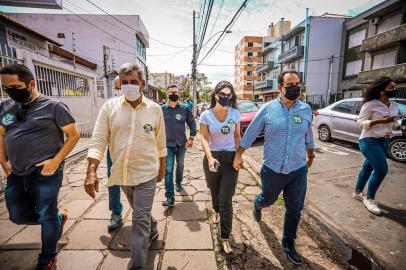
[136, 140]
[175, 121]
[288, 133]
[373, 110]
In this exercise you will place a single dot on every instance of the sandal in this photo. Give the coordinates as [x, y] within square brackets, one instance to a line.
[227, 247]
[215, 218]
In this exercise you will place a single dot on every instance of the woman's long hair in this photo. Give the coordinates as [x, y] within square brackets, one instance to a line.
[220, 86]
[375, 88]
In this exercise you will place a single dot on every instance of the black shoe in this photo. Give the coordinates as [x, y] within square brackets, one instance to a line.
[290, 250]
[257, 213]
[116, 221]
[49, 265]
[152, 237]
[168, 203]
[179, 188]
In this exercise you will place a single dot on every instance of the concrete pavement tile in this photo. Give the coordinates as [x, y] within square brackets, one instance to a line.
[75, 208]
[200, 185]
[183, 198]
[249, 190]
[158, 211]
[189, 260]
[4, 216]
[89, 234]
[120, 259]
[101, 210]
[74, 177]
[245, 178]
[160, 196]
[79, 259]
[18, 259]
[79, 193]
[122, 241]
[239, 198]
[201, 197]
[8, 229]
[187, 191]
[188, 235]
[189, 211]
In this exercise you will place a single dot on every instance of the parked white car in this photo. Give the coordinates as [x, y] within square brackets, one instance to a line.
[339, 121]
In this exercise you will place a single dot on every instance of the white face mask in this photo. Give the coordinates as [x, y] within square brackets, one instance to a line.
[131, 91]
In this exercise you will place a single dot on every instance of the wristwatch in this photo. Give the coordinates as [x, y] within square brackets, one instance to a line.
[191, 138]
[313, 156]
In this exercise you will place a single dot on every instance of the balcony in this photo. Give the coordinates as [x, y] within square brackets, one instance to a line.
[396, 73]
[263, 68]
[384, 39]
[264, 84]
[293, 53]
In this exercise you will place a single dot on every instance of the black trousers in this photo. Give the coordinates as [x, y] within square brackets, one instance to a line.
[222, 187]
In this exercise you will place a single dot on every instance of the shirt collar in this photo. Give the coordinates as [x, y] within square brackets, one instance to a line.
[124, 101]
[283, 105]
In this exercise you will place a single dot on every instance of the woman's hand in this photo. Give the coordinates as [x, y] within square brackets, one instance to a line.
[212, 166]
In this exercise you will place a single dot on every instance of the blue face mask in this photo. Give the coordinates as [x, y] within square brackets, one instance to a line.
[224, 101]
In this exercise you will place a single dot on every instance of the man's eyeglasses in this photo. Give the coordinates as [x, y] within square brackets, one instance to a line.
[221, 94]
[134, 82]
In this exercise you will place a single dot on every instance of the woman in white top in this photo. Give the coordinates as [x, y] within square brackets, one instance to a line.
[378, 120]
[220, 134]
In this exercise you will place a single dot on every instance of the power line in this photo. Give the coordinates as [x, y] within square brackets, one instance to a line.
[201, 15]
[206, 23]
[226, 28]
[154, 55]
[136, 31]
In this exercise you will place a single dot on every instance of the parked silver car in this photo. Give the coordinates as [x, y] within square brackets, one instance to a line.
[339, 121]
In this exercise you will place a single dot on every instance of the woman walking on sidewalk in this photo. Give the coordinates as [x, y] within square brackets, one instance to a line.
[220, 135]
[377, 120]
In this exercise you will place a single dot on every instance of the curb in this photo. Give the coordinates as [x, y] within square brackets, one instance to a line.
[350, 248]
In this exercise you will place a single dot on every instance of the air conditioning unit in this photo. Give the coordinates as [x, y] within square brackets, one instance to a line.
[376, 20]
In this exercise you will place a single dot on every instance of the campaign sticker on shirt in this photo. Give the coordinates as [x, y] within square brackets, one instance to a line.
[178, 116]
[231, 122]
[297, 119]
[225, 130]
[147, 128]
[8, 119]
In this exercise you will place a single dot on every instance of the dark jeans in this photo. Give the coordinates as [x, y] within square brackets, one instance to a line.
[375, 165]
[115, 205]
[222, 188]
[33, 200]
[294, 187]
[177, 153]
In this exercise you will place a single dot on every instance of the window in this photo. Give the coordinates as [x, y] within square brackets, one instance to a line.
[384, 60]
[286, 46]
[344, 107]
[297, 41]
[250, 54]
[355, 39]
[140, 48]
[302, 39]
[388, 22]
[249, 64]
[353, 67]
[249, 73]
[250, 44]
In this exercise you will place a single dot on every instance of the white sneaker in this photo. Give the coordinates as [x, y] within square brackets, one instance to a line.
[372, 206]
[358, 196]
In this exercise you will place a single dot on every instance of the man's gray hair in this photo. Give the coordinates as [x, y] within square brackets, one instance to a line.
[129, 68]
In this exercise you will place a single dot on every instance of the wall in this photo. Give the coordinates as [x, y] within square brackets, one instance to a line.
[324, 42]
[88, 39]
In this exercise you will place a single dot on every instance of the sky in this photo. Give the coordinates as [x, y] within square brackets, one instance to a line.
[171, 22]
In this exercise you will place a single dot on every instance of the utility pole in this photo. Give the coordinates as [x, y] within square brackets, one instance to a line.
[194, 62]
[74, 49]
[105, 59]
[329, 79]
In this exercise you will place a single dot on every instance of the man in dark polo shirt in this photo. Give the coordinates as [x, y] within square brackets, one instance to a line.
[32, 153]
[176, 117]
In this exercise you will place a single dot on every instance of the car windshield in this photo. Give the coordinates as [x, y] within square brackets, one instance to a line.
[247, 107]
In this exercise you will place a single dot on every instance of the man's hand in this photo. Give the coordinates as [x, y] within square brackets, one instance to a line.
[7, 168]
[189, 143]
[238, 162]
[161, 174]
[49, 166]
[91, 183]
[310, 162]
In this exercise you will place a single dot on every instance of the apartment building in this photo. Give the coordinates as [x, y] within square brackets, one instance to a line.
[374, 45]
[247, 57]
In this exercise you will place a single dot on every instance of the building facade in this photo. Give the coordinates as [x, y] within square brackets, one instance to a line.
[374, 45]
[162, 80]
[247, 57]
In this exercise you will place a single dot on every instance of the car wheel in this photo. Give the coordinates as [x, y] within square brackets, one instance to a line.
[397, 150]
[324, 133]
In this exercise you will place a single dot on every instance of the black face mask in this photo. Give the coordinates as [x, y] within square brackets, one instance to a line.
[19, 95]
[224, 101]
[173, 97]
[390, 94]
[292, 92]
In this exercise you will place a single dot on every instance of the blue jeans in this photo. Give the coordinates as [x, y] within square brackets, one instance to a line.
[115, 205]
[375, 165]
[33, 200]
[293, 185]
[178, 153]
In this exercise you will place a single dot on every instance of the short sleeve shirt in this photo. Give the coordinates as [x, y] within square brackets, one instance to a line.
[33, 133]
[221, 134]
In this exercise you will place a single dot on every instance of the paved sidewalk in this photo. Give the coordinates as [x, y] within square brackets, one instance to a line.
[186, 240]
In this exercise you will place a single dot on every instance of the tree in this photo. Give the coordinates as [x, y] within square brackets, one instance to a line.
[162, 94]
[203, 87]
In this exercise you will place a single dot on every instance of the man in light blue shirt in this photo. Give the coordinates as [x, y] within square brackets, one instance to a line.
[287, 124]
